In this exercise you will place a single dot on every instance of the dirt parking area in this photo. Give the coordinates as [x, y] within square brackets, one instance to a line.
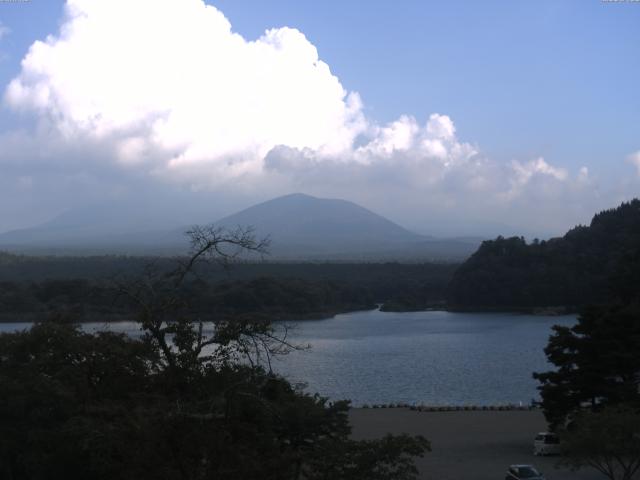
[468, 445]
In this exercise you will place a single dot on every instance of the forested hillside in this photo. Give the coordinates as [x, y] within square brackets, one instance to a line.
[577, 269]
[86, 288]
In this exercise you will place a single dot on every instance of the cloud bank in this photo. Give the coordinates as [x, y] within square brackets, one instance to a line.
[166, 90]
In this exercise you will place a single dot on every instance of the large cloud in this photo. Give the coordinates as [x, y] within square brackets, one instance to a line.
[170, 82]
[165, 88]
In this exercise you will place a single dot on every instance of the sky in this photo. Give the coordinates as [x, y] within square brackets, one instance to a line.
[448, 117]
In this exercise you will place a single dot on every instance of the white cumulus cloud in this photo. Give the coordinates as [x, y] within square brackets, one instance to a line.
[172, 78]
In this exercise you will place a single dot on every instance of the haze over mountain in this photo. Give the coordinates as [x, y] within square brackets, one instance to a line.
[116, 226]
[299, 226]
[320, 225]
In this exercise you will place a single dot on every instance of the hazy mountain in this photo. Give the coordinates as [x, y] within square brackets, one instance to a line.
[305, 227]
[299, 226]
[120, 226]
[320, 225]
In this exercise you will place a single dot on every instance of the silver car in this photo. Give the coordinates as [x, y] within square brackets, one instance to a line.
[521, 472]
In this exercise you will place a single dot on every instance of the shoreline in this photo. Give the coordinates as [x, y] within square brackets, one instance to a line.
[33, 317]
[499, 407]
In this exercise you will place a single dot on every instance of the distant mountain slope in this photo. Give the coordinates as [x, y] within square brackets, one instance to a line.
[301, 227]
[107, 227]
[305, 224]
[578, 269]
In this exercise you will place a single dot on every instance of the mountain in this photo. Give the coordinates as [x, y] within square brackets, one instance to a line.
[589, 264]
[78, 226]
[301, 227]
[121, 226]
[302, 223]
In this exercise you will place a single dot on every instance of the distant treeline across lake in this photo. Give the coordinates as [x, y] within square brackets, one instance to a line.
[86, 288]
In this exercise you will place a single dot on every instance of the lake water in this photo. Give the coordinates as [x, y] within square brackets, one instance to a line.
[435, 358]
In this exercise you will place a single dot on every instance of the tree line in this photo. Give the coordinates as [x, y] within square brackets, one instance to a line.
[583, 267]
[48, 286]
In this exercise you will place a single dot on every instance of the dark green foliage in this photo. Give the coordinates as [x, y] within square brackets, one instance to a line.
[280, 298]
[66, 399]
[571, 271]
[597, 360]
[82, 406]
[389, 458]
[275, 291]
[608, 440]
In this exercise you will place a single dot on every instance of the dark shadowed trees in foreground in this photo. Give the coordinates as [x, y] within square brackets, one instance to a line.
[185, 401]
[597, 363]
[607, 440]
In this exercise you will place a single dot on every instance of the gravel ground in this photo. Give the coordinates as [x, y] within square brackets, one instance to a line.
[471, 445]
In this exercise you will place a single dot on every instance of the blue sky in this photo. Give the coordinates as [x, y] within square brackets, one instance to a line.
[556, 78]
[520, 80]
[553, 78]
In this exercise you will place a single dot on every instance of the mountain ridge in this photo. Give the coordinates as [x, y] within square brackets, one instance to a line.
[300, 227]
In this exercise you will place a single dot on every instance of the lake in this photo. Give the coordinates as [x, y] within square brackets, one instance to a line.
[435, 358]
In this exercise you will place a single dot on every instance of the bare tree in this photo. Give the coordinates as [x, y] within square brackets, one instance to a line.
[169, 323]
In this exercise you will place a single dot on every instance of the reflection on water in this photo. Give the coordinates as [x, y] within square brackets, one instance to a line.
[422, 357]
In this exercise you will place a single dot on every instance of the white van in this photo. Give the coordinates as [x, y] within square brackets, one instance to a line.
[546, 443]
